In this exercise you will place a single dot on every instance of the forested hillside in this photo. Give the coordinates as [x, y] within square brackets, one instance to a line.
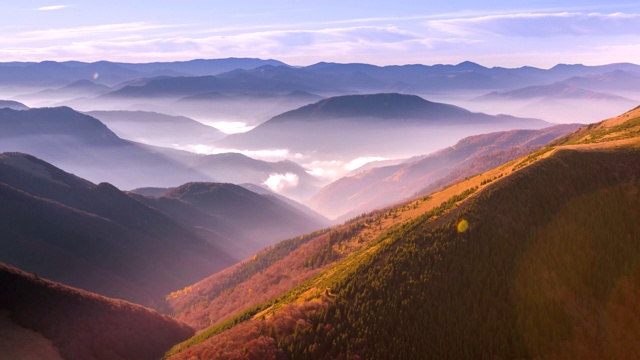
[541, 261]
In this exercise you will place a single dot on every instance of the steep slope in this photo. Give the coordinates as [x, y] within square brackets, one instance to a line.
[83, 145]
[382, 186]
[555, 251]
[96, 237]
[541, 261]
[53, 321]
[158, 129]
[264, 190]
[385, 125]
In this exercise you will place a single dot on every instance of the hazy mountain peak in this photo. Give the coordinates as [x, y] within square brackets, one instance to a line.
[40, 169]
[13, 105]
[201, 189]
[383, 105]
[54, 121]
[469, 65]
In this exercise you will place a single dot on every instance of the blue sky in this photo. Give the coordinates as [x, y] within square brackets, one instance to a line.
[492, 33]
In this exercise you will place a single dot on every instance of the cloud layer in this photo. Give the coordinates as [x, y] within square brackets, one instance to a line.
[380, 40]
[542, 25]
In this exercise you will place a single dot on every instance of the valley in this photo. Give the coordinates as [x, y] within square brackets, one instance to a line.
[362, 211]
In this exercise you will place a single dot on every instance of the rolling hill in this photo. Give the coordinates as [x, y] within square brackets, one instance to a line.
[386, 185]
[13, 105]
[254, 221]
[81, 88]
[536, 258]
[97, 238]
[46, 320]
[387, 125]
[83, 145]
[158, 129]
[618, 80]
[563, 101]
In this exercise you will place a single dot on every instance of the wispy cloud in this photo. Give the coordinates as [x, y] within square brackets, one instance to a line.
[542, 24]
[390, 44]
[498, 38]
[52, 7]
[89, 31]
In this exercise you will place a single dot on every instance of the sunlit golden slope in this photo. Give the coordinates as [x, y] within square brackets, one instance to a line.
[543, 265]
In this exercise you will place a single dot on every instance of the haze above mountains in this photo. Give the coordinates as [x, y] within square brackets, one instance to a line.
[205, 189]
[298, 128]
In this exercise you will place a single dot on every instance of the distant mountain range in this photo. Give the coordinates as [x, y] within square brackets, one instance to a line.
[556, 91]
[579, 98]
[326, 75]
[234, 89]
[78, 89]
[388, 125]
[51, 73]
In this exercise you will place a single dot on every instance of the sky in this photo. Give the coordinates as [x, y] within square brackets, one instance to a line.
[299, 32]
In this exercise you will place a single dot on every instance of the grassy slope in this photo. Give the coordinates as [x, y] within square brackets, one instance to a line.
[482, 293]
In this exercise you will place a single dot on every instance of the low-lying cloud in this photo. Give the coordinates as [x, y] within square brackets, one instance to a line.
[280, 182]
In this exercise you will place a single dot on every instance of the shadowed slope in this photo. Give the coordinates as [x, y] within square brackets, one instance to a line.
[82, 325]
[96, 237]
[254, 220]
